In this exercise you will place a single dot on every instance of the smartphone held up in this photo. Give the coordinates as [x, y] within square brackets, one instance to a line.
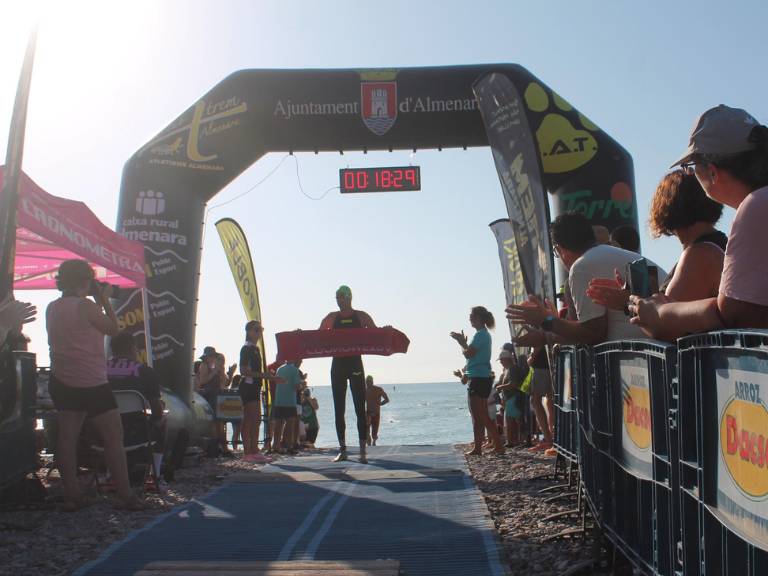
[642, 278]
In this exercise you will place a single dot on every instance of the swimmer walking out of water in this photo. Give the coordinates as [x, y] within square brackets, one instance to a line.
[375, 398]
[349, 368]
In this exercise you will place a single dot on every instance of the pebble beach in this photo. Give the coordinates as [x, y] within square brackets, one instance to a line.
[511, 485]
[43, 540]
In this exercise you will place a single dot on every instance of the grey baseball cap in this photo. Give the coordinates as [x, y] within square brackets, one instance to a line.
[721, 130]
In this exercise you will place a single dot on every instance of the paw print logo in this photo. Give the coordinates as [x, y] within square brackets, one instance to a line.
[563, 146]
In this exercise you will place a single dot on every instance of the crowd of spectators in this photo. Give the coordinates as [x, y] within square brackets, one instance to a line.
[292, 423]
[84, 387]
[718, 281]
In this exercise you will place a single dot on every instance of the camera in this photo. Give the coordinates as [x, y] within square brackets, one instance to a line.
[96, 286]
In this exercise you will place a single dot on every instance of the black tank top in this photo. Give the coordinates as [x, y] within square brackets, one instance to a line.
[717, 238]
[352, 362]
[349, 322]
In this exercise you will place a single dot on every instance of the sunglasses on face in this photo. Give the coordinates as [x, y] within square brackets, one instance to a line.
[690, 166]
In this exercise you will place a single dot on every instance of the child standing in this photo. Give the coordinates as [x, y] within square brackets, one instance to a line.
[309, 417]
[284, 407]
[509, 386]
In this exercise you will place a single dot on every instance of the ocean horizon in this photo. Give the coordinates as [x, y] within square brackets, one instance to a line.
[418, 413]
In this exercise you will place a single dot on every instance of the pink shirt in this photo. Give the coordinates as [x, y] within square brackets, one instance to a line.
[76, 347]
[745, 268]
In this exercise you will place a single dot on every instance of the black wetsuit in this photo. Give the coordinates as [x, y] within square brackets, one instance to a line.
[343, 369]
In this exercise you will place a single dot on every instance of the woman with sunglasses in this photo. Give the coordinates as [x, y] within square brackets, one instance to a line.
[680, 208]
[728, 152]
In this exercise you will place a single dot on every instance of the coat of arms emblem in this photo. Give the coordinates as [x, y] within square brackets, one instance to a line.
[379, 108]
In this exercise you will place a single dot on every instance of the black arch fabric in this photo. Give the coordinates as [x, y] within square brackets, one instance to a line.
[167, 182]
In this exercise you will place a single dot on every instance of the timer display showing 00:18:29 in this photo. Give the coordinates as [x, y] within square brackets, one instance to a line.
[397, 179]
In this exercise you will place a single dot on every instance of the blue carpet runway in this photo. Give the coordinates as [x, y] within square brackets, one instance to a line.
[415, 504]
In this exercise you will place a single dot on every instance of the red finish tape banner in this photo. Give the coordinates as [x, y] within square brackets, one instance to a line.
[302, 344]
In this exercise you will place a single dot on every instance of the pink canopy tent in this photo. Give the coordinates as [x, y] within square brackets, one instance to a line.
[52, 229]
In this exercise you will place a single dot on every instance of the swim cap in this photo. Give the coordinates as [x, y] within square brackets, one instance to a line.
[344, 291]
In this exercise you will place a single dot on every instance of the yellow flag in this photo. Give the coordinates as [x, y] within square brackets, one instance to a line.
[239, 258]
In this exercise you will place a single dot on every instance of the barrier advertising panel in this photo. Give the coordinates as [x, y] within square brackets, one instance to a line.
[567, 396]
[566, 424]
[723, 425]
[742, 478]
[637, 451]
[635, 410]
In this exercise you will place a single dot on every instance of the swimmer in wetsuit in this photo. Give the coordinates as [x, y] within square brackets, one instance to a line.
[375, 398]
[350, 369]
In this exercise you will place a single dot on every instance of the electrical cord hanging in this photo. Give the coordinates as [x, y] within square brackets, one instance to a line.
[266, 177]
[260, 182]
[298, 180]
[252, 188]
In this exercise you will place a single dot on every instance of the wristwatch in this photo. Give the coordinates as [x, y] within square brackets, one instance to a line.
[548, 323]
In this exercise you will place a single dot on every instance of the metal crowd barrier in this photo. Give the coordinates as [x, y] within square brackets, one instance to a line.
[672, 448]
[723, 423]
[635, 381]
[594, 472]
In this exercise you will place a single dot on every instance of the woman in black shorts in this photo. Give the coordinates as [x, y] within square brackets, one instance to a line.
[480, 378]
[79, 388]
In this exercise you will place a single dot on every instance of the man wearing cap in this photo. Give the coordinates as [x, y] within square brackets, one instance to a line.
[206, 379]
[210, 379]
[728, 152]
[348, 369]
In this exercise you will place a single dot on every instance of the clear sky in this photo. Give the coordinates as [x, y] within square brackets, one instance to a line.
[109, 75]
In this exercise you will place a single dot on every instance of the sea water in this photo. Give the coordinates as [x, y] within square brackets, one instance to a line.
[433, 413]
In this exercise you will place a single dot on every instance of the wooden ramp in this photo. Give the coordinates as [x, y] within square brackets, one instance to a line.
[290, 568]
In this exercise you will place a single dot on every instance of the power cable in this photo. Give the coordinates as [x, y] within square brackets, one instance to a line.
[298, 180]
[260, 182]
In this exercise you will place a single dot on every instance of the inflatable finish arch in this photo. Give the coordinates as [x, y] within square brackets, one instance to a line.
[167, 183]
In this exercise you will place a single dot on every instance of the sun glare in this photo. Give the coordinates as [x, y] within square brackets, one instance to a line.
[77, 41]
[82, 40]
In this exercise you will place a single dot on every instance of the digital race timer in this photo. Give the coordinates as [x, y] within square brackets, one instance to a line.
[397, 179]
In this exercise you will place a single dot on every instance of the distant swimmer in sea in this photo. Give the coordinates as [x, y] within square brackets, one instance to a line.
[375, 398]
[349, 368]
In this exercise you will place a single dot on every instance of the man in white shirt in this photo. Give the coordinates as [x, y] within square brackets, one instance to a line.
[573, 240]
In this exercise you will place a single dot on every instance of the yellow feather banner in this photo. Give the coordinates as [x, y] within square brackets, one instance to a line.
[240, 262]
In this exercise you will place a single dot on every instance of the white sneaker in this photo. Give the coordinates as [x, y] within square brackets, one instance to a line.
[341, 456]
